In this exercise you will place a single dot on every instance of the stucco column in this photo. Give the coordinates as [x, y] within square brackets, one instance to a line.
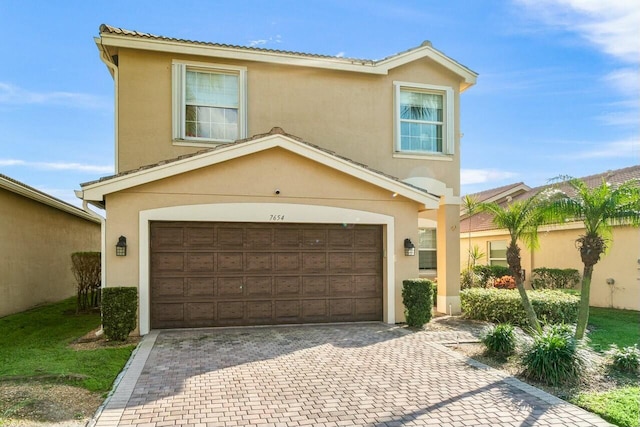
[448, 236]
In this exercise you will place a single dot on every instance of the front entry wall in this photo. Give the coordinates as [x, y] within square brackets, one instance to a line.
[228, 274]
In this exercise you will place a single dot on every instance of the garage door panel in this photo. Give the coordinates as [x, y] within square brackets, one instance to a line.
[315, 286]
[259, 312]
[230, 237]
[315, 310]
[200, 287]
[258, 262]
[198, 262]
[230, 311]
[312, 262]
[227, 274]
[230, 287]
[341, 261]
[229, 262]
[164, 262]
[287, 261]
[258, 287]
[287, 286]
[199, 237]
[287, 311]
[169, 287]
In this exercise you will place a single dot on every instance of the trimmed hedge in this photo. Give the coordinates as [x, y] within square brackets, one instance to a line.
[487, 273]
[501, 306]
[417, 297]
[119, 307]
[555, 278]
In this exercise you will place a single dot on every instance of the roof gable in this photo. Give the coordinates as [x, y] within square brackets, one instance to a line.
[95, 191]
[119, 37]
[24, 190]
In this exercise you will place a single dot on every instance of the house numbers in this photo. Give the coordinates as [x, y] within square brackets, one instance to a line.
[276, 217]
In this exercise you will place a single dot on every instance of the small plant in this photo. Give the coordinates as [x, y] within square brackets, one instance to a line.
[555, 278]
[500, 340]
[86, 269]
[119, 305]
[625, 359]
[505, 282]
[555, 356]
[417, 297]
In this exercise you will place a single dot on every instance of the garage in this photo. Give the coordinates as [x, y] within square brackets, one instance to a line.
[226, 274]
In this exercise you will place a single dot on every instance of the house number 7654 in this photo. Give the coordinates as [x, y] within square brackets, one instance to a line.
[276, 217]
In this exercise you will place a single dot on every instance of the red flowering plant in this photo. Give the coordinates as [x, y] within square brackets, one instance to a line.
[505, 282]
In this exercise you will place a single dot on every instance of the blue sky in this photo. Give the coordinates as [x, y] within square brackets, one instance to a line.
[558, 90]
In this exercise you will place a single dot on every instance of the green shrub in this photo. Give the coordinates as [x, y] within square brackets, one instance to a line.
[555, 278]
[417, 297]
[499, 306]
[119, 305]
[625, 359]
[500, 340]
[554, 357]
[488, 273]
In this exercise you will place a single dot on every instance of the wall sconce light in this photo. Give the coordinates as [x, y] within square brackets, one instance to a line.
[409, 248]
[121, 246]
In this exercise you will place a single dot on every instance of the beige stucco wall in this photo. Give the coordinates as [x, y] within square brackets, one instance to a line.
[558, 250]
[347, 112]
[254, 178]
[36, 242]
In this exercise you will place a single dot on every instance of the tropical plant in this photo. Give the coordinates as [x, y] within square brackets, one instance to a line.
[470, 205]
[599, 208]
[555, 356]
[521, 219]
[625, 359]
[500, 340]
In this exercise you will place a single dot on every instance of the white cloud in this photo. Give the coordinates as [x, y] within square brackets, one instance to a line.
[481, 176]
[340, 55]
[628, 148]
[254, 43]
[75, 167]
[625, 80]
[14, 95]
[611, 26]
[259, 42]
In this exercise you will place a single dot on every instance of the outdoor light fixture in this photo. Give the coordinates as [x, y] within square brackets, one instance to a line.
[409, 247]
[121, 246]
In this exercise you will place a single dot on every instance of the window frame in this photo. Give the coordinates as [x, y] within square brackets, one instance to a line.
[433, 249]
[448, 140]
[178, 107]
[490, 260]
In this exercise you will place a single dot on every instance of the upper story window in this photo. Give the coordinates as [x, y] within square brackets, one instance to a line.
[423, 119]
[208, 103]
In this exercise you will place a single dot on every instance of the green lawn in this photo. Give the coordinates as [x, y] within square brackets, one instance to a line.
[34, 345]
[611, 326]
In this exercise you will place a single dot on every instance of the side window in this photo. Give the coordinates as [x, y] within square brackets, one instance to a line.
[208, 103]
[423, 119]
[498, 253]
[427, 252]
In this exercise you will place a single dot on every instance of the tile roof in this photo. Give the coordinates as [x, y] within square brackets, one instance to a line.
[273, 131]
[108, 29]
[483, 221]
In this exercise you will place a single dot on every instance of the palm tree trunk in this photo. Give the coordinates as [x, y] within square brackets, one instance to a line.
[513, 259]
[583, 311]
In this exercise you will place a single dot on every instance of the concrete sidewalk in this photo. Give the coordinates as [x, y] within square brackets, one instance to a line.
[370, 374]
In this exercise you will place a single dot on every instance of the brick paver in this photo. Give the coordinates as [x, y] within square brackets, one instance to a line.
[369, 374]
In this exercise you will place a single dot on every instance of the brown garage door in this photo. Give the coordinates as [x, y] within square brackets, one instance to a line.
[221, 274]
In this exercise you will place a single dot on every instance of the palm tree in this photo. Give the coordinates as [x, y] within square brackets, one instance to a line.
[599, 208]
[522, 219]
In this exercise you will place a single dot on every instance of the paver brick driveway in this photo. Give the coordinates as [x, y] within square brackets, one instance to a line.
[330, 375]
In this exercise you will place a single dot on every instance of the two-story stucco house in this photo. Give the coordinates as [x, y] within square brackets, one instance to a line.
[258, 186]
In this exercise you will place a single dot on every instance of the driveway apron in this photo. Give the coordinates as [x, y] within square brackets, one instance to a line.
[368, 374]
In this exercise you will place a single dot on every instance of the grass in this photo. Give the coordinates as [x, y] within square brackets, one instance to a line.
[34, 346]
[620, 406]
[612, 326]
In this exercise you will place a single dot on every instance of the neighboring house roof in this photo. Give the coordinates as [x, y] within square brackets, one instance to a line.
[24, 190]
[95, 191]
[483, 221]
[119, 37]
